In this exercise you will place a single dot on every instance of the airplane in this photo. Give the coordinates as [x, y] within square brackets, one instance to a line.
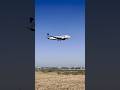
[59, 38]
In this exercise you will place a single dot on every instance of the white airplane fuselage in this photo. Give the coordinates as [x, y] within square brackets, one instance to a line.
[62, 37]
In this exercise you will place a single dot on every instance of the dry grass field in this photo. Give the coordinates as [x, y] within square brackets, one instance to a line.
[54, 81]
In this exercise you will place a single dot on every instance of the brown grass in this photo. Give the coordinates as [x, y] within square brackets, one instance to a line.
[54, 81]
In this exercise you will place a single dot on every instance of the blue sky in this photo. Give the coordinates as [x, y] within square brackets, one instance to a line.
[58, 17]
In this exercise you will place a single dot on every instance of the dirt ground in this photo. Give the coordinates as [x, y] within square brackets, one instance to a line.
[53, 81]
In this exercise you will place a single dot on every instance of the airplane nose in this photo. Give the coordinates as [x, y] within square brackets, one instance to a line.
[67, 36]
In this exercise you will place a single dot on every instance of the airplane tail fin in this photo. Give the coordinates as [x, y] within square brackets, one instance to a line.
[48, 34]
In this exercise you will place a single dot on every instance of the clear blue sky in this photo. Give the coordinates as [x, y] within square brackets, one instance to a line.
[58, 17]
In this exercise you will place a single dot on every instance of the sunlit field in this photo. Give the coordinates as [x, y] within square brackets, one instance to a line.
[59, 81]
